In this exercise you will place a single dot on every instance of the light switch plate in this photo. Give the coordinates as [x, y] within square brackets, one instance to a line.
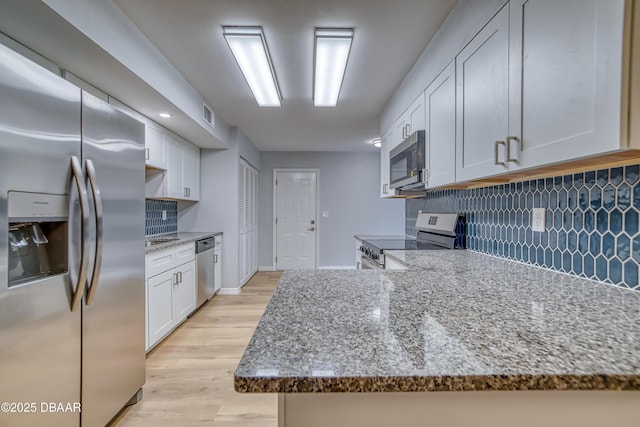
[164, 215]
[538, 219]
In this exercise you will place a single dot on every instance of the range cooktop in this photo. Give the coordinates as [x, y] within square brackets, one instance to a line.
[381, 245]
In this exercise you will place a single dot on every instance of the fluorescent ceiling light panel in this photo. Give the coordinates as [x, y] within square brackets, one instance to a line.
[249, 48]
[332, 48]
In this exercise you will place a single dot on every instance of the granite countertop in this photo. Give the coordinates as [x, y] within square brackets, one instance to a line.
[179, 238]
[455, 321]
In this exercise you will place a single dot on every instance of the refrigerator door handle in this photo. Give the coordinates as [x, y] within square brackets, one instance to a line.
[76, 169]
[99, 212]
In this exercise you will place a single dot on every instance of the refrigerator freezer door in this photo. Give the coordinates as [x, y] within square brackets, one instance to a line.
[113, 353]
[39, 334]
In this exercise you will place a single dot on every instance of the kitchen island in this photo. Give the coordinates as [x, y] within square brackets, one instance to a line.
[503, 343]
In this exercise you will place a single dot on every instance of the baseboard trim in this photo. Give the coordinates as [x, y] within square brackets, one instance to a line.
[266, 268]
[337, 267]
[229, 291]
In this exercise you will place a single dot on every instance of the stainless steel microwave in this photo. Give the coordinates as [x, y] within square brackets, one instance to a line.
[407, 163]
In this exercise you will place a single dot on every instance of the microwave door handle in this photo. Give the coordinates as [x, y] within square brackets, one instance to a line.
[76, 169]
[99, 212]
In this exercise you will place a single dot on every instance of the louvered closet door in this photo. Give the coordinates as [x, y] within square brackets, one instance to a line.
[248, 221]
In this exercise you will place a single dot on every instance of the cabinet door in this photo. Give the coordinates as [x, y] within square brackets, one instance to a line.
[155, 150]
[175, 188]
[416, 115]
[385, 148]
[184, 292]
[191, 172]
[217, 268]
[160, 318]
[440, 106]
[482, 93]
[401, 131]
[568, 55]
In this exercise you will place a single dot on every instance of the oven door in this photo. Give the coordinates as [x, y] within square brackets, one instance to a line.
[406, 162]
[369, 264]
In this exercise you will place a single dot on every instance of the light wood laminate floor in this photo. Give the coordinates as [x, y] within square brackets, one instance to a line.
[190, 375]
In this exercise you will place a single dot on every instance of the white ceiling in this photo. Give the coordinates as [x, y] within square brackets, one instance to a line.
[389, 37]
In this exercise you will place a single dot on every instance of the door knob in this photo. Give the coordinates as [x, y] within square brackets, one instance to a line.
[311, 229]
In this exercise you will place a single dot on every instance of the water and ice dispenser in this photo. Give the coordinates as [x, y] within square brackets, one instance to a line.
[38, 236]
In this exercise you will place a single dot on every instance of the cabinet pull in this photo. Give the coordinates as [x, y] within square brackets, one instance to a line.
[495, 153]
[146, 154]
[508, 145]
[408, 130]
[175, 279]
[179, 276]
[425, 176]
[215, 259]
[188, 191]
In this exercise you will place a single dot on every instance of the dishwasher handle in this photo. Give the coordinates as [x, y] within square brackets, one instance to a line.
[205, 244]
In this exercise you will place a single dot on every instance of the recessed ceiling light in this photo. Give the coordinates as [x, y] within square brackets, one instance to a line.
[332, 48]
[377, 143]
[250, 51]
[165, 115]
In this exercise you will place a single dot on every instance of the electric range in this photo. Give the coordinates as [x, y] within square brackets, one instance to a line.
[436, 231]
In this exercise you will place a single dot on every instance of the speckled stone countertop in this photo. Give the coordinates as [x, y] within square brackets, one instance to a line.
[181, 238]
[460, 321]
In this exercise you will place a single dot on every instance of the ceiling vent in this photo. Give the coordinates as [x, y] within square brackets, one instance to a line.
[208, 115]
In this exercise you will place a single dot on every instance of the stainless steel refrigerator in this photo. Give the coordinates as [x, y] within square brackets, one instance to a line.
[71, 251]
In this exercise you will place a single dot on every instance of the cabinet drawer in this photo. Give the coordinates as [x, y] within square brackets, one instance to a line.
[161, 261]
[185, 253]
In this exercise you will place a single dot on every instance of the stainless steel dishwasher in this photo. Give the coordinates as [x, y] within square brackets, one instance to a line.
[205, 260]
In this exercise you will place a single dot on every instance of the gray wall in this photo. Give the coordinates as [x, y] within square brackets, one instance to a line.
[218, 206]
[347, 189]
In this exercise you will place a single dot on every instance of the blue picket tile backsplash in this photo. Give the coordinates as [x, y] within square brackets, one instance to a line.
[592, 222]
[154, 224]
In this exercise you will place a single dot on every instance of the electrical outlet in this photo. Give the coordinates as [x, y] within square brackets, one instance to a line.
[538, 219]
[164, 215]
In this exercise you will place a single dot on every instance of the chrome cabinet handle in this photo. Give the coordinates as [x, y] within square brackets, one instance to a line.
[311, 229]
[147, 154]
[495, 153]
[76, 169]
[99, 212]
[508, 145]
[175, 279]
[215, 259]
[179, 276]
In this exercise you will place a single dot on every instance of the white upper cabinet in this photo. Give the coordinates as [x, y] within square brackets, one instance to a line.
[155, 148]
[183, 171]
[568, 55]
[410, 121]
[191, 172]
[385, 148]
[482, 79]
[440, 129]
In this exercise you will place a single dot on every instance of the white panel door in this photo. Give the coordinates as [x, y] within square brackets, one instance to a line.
[568, 56]
[441, 128]
[295, 220]
[482, 76]
[248, 222]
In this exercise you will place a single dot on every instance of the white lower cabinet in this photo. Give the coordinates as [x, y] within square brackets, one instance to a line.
[184, 292]
[160, 318]
[170, 290]
[392, 264]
